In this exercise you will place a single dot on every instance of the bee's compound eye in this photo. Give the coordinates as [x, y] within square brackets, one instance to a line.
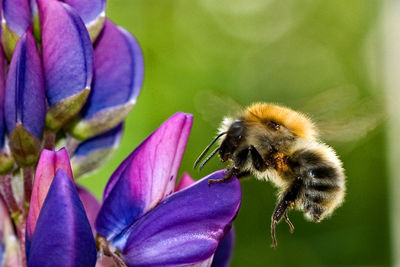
[236, 129]
[275, 125]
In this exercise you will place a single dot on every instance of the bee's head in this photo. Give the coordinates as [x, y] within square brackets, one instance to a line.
[282, 121]
[231, 142]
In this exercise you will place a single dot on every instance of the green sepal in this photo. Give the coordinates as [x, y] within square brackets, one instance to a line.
[36, 29]
[94, 28]
[65, 110]
[9, 40]
[6, 163]
[99, 123]
[91, 162]
[24, 146]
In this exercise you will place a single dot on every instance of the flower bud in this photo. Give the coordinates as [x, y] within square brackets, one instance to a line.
[117, 82]
[49, 163]
[6, 159]
[92, 13]
[16, 18]
[67, 61]
[63, 236]
[94, 152]
[25, 106]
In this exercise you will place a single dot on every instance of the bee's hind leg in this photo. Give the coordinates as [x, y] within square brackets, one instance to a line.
[281, 209]
[287, 220]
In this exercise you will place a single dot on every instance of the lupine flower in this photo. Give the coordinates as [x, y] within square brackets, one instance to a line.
[150, 225]
[94, 152]
[67, 61]
[49, 163]
[77, 89]
[118, 64]
[62, 235]
[92, 13]
[142, 215]
[25, 105]
[16, 18]
[6, 159]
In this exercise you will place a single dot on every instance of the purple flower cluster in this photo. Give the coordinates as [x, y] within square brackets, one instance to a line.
[69, 77]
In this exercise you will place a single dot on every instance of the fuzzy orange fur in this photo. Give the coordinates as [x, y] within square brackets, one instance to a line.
[296, 122]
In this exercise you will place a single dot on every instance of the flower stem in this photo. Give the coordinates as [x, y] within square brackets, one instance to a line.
[49, 140]
[72, 145]
[21, 228]
[103, 247]
[7, 194]
[28, 183]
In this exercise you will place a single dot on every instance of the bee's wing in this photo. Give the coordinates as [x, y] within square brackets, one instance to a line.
[214, 106]
[342, 115]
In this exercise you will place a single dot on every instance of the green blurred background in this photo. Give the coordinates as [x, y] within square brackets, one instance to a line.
[320, 57]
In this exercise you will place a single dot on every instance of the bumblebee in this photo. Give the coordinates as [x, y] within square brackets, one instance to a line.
[281, 145]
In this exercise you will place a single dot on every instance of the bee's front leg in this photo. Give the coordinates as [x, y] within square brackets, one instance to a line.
[228, 175]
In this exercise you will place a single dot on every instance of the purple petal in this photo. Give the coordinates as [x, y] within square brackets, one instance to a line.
[148, 176]
[118, 77]
[17, 15]
[49, 163]
[186, 227]
[223, 254]
[206, 263]
[93, 153]
[24, 97]
[67, 51]
[63, 236]
[91, 204]
[3, 67]
[92, 13]
[185, 181]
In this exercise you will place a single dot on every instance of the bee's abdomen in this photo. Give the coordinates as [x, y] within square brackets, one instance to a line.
[323, 182]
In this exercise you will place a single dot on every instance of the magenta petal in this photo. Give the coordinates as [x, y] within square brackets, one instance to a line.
[91, 204]
[62, 237]
[49, 163]
[186, 227]
[67, 51]
[148, 176]
[17, 15]
[185, 181]
[25, 101]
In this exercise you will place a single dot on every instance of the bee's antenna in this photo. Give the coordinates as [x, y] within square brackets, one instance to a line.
[206, 150]
[208, 158]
